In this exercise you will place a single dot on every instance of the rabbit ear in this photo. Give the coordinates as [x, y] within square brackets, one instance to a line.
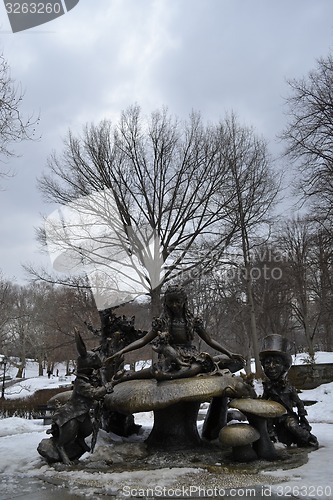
[80, 345]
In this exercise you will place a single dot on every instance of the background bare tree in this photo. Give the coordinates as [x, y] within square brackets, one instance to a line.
[38, 322]
[256, 189]
[309, 136]
[297, 238]
[171, 185]
[323, 284]
[14, 127]
[216, 297]
[6, 312]
[273, 290]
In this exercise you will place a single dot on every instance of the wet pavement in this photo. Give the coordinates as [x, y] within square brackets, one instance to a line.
[39, 490]
[98, 477]
[32, 489]
[212, 485]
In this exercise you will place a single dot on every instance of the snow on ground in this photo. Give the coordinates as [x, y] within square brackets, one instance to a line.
[320, 357]
[322, 411]
[25, 388]
[31, 368]
[19, 458]
[314, 479]
[32, 382]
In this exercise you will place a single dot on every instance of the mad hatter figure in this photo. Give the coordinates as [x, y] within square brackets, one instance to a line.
[293, 427]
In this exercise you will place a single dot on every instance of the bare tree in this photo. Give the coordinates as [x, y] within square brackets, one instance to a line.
[272, 291]
[309, 135]
[256, 189]
[14, 127]
[20, 327]
[39, 320]
[322, 285]
[6, 312]
[296, 239]
[161, 190]
[215, 296]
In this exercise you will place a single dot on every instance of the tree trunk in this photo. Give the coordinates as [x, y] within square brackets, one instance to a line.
[248, 356]
[156, 306]
[328, 337]
[253, 322]
[21, 368]
[67, 367]
[309, 339]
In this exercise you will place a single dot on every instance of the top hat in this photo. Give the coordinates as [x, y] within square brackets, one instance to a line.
[276, 344]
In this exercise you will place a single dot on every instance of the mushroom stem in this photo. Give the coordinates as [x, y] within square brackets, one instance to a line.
[244, 453]
[240, 438]
[216, 418]
[263, 447]
[175, 427]
[257, 412]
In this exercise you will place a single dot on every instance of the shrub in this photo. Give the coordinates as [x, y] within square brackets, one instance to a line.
[28, 407]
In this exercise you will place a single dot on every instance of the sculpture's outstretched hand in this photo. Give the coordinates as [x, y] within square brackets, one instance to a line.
[114, 356]
[238, 357]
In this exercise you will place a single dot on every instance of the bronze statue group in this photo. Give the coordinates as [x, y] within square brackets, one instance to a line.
[172, 337]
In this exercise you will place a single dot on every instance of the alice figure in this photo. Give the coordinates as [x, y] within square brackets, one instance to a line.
[172, 336]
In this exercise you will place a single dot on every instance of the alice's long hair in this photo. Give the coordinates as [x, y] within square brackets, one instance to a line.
[165, 320]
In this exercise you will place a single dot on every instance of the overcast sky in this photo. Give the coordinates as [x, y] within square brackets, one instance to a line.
[209, 55]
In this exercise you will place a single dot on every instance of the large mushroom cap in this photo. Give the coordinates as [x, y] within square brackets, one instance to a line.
[238, 435]
[134, 396]
[259, 407]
